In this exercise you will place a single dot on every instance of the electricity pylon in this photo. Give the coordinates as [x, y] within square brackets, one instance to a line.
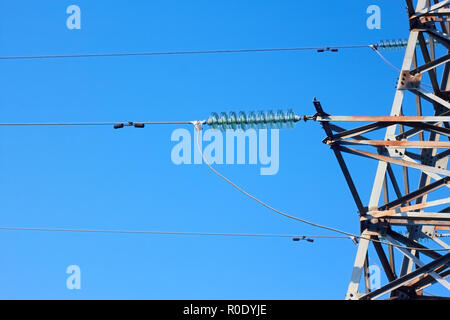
[409, 197]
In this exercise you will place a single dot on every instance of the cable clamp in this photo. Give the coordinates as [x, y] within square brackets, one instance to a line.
[197, 125]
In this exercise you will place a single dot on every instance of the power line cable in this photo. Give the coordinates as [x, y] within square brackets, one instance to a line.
[197, 125]
[194, 52]
[391, 64]
[260, 235]
[384, 59]
[353, 236]
[115, 124]
[385, 45]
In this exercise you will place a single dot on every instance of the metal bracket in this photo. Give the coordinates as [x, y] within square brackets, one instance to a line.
[409, 81]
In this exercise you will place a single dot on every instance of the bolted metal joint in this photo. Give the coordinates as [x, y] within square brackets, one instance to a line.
[408, 80]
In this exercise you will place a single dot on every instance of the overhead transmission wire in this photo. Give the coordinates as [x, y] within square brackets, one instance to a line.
[116, 124]
[197, 126]
[351, 235]
[392, 44]
[390, 64]
[384, 59]
[181, 233]
[194, 52]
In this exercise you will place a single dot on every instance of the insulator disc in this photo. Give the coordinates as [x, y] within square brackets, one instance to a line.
[291, 118]
[232, 120]
[260, 119]
[280, 118]
[270, 119]
[223, 121]
[251, 120]
[213, 120]
[242, 120]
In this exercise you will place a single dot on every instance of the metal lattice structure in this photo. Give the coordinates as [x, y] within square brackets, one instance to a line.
[409, 197]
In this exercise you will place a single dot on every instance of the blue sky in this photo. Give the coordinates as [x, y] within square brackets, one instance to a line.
[97, 177]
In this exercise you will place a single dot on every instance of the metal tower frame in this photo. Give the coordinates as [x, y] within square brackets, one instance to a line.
[395, 205]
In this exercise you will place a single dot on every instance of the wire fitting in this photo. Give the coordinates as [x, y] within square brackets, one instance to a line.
[198, 125]
[327, 49]
[129, 124]
[303, 238]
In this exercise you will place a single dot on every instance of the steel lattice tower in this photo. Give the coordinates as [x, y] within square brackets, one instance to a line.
[409, 197]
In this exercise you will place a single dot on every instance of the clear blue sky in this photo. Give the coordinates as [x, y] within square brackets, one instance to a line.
[97, 177]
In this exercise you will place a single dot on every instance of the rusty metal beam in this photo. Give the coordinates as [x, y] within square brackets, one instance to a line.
[393, 119]
[360, 130]
[410, 164]
[341, 162]
[416, 194]
[431, 64]
[429, 280]
[419, 127]
[397, 283]
[411, 243]
[396, 143]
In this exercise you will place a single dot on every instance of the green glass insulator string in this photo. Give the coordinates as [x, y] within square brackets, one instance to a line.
[395, 44]
[253, 120]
